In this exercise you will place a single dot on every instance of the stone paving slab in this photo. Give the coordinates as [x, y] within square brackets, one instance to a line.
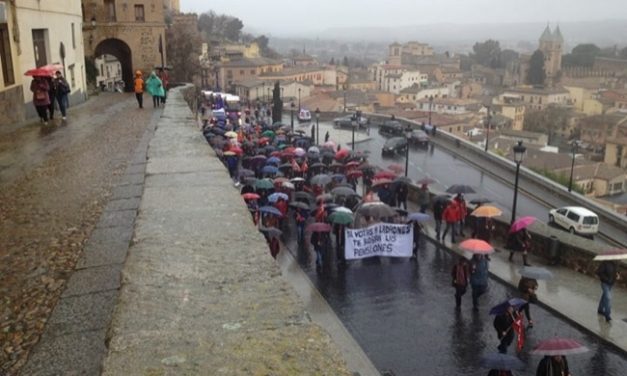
[107, 253]
[131, 179]
[139, 168]
[111, 235]
[57, 355]
[118, 218]
[95, 279]
[82, 313]
[123, 204]
[127, 191]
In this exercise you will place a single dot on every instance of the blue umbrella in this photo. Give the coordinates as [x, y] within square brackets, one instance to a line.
[270, 210]
[273, 160]
[269, 169]
[535, 272]
[501, 362]
[501, 308]
[276, 196]
[419, 217]
[338, 177]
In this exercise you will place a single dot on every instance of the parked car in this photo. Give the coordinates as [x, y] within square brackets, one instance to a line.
[347, 122]
[394, 145]
[391, 128]
[575, 219]
[418, 137]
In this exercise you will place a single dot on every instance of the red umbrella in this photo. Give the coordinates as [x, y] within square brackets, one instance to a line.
[251, 196]
[521, 223]
[354, 174]
[559, 346]
[319, 227]
[237, 150]
[46, 70]
[352, 164]
[289, 150]
[425, 181]
[385, 175]
[396, 168]
[380, 182]
[476, 246]
[263, 140]
[342, 154]
[276, 153]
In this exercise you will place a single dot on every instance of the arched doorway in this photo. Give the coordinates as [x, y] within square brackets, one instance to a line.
[122, 52]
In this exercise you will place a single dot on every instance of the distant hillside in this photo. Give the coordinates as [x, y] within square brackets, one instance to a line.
[603, 33]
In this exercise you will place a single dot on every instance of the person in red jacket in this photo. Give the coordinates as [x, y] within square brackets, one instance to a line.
[282, 206]
[451, 216]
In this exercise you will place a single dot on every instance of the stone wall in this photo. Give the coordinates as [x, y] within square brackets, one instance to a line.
[12, 105]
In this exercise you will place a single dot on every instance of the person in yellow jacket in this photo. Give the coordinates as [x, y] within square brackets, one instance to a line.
[139, 88]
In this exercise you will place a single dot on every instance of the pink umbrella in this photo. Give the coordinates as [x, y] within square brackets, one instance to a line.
[330, 145]
[476, 246]
[299, 152]
[559, 346]
[522, 223]
[396, 168]
[319, 227]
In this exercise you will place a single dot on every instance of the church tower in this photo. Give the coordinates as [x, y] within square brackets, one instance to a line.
[551, 45]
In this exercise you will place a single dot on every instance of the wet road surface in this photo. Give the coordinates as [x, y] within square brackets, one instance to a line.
[402, 314]
[54, 182]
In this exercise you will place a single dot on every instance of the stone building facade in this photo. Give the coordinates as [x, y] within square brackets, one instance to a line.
[38, 33]
[131, 30]
[551, 45]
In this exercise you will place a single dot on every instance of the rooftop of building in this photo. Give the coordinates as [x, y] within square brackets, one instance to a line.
[536, 90]
[250, 62]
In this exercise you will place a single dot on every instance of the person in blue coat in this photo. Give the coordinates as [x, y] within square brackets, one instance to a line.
[478, 278]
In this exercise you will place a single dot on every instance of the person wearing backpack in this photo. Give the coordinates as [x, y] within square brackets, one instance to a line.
[41, 99]
[61, 89]
[461, 276]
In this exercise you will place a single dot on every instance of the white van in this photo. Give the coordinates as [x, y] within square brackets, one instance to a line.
[575, 219]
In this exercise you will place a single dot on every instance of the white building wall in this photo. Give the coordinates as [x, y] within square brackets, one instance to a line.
[56, 18]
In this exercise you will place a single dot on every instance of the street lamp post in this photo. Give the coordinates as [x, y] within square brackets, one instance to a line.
[519, 155]
[298, 99]
[430, 105]
[574, 147]
[408, 135]
[354, 124]
[487, 135]
[282, 88]
[317, 126]
[263, 92]
[292, 116]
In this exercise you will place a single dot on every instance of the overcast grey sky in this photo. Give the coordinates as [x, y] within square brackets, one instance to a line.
[314, 15]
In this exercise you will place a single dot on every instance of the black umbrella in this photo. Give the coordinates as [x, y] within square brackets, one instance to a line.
[402, 179]
[375, 209]
[480, 200]
[442, 198]
[343, 191]
[299, 205]
[460, 188]
[321, 179]
[272, 232]
[300, 196]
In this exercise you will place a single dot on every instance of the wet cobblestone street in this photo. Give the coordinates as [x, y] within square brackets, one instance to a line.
[54, 183]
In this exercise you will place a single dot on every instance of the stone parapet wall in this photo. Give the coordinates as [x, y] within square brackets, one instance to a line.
[12, 105]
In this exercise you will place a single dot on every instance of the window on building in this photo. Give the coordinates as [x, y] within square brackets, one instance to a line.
[241, 72]
[73, 37]
[110, 10]
[72, 77]
[5, 56]
[39, 47]
[139, 13]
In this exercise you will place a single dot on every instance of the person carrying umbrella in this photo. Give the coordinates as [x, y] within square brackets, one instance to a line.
[424, 197]
[504, 325]
[438, 209]
[478, 278]
[527, 288]
[318, 241]
[62, 89]
[41, 97]
[463, 211]
[338, 231]
[451, 217]
[401, 194]
[461, 276]
[281, 204]
[553, 365]
[300, 217]
[519, 241]
[608, 274]
[417, 233]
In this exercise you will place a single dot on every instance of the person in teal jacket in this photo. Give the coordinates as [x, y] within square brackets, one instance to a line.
[154, 86]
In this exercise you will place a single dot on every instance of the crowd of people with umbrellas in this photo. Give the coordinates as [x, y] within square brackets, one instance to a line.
[288, 182]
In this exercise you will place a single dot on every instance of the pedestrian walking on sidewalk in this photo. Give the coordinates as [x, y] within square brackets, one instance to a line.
[608, 274]
[326, 136]
[424, 198]
[41, 99]
[528, 288]
[504, 326]
[52, 94]
[62, 89]
[155, 88]
[451, 217]
[318, 242]
[555, 365]
[301, 218]
[438, 210]
[519, 241]
[463, 212]
[461, 276]
[417, 233]
[138, 85]
[478, 278]
[401, 195]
